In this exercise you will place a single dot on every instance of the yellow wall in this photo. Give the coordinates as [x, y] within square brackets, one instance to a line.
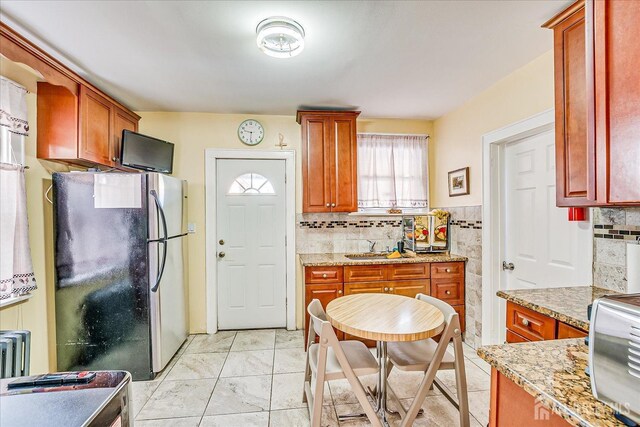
[457, 139]
[193, 133]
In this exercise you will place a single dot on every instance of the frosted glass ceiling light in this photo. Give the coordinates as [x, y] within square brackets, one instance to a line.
[280, 37]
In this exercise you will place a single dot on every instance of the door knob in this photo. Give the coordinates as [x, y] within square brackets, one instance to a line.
[221, 254]
[508, 266]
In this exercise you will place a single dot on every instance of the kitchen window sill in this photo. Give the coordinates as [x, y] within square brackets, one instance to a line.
[14, 300]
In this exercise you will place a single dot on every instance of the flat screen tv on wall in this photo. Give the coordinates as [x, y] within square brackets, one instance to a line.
[146, 152]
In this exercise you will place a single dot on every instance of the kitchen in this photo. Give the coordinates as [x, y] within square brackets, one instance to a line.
[462, 131]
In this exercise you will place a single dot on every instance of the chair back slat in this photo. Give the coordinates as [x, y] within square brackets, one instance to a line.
[317, 315]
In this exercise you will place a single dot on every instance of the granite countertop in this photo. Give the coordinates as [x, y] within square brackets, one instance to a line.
[568, 305]
[317, 260]
[553, 372]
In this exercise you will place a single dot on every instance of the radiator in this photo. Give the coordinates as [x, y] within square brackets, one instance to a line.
[15, 353]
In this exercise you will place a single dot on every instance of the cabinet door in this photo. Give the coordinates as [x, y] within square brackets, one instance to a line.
[568, 331]
[365, 273]
[122, 121]
[409, 271]
[575, 158]
[325, 294]
[96, 127]
[344, 175]
[316, 164]
[616, 59]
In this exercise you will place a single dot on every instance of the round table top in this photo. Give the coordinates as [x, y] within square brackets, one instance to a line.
[385, 317]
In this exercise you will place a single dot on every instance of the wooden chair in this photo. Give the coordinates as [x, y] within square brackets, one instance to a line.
[429, 357]
[332, 359]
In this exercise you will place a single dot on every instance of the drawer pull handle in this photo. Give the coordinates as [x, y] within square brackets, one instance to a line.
[328, 205]
[386, 289]
[333, 205]
[339, 292]
[447, 292]
[391, 289]
[448, 270]
[324, 275]
[525, 322]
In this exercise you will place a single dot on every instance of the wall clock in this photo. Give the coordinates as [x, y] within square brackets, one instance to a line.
[251, 132]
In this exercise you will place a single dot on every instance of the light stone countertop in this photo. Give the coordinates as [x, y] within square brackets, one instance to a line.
[319, 260]
[568, 304]
[553, 373]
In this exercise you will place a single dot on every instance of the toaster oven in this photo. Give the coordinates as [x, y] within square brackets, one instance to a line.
[426, 233]
[614, 354]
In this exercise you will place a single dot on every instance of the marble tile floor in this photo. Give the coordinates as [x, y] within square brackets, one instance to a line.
[254, 379]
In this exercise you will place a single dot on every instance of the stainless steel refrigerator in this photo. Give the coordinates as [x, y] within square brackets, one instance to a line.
[120, 290]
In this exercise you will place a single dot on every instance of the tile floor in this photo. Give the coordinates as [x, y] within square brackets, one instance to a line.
[254, 379]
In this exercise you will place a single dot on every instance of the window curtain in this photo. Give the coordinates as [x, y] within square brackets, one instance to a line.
[392, 171]
[16, 269]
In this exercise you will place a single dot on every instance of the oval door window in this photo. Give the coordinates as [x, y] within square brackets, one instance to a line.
[251, 183]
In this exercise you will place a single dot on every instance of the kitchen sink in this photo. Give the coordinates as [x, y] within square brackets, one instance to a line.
[367, 256]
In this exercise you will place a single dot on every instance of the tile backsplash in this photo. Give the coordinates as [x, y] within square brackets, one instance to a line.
[613, 230]
[341, 233]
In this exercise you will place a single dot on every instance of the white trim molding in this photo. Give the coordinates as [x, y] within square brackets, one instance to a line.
[493, 143]
[211, 156]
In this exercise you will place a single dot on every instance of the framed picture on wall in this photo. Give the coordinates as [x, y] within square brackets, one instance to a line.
[459, 182]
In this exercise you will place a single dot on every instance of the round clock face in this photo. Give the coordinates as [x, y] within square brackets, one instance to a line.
[251, 132]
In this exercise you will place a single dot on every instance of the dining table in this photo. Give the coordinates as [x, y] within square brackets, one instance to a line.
[384, 318]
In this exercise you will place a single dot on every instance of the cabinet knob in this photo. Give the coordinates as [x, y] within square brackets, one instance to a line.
[525, 322]
[115, 159]
[339, 292]
[391, 289]
[447, 292]
[333, 205]
[324, 275]
[386, 289]
[328, 205]
[448, 270]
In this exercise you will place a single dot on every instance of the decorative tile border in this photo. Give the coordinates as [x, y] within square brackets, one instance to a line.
[463, 223]
[395, 223]
[616, 232]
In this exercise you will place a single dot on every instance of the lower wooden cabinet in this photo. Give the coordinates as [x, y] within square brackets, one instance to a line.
[326, 283]
[524, 325]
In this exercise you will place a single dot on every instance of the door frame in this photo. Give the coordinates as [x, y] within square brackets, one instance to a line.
[211, 157]
[493, 278]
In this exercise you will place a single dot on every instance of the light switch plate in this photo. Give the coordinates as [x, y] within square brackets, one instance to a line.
[191, 227]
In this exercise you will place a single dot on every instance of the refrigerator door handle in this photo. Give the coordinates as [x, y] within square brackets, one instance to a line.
[162, 240]
[161, 271]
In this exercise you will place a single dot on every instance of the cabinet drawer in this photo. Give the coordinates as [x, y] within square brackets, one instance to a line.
[568, 331]
[365, 273]
[447, 269]
[325, 293]
[409, 271]
[512, 337]
[450, 290]
[365, 288]
[529, 324]
[330, 274]
[409, 288]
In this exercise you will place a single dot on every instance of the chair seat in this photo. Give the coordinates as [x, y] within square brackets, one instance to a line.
[417, 355]
[360, 359]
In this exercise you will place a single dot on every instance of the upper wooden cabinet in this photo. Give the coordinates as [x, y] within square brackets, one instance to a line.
[329, 161]
[85, 130]
[77, 123]
[597, 87]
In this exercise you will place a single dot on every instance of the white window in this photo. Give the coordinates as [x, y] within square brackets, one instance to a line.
[251, 183]
[392, 172]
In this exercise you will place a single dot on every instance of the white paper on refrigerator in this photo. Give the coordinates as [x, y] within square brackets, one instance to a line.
[114, 190]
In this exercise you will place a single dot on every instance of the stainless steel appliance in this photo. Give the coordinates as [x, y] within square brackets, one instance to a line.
[119, 271]
[105, 401]
[614, 353]
[426, 233]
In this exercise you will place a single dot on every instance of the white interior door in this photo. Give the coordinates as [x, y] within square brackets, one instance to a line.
[250, 221]
[545, 248]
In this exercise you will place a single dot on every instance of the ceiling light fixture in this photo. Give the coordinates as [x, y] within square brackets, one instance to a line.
[280, 37]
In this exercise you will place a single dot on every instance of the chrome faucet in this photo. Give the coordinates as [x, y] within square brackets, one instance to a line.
[372, 245]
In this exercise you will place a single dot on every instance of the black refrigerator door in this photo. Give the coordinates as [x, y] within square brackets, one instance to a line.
[101, 272]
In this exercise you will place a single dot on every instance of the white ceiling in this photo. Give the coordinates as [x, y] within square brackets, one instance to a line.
[409, 59]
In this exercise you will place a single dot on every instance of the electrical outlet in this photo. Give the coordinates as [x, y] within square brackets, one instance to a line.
[191, 227]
